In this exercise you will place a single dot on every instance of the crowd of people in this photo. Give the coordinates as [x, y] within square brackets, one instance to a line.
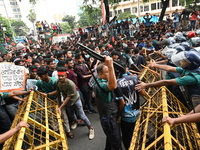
[84, 80]
[43, 26]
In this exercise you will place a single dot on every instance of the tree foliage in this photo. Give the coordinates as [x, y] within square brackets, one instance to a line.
[8, 31]
[125, 15]
[89, 16]
[19, 27]
[70, 20]
[31, 16]
[65, 28]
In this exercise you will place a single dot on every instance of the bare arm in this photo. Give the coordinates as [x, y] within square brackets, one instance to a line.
[163, 67]
[143, 85]
[65, 102]
[8, 134]
[112, 82]
[193, 118]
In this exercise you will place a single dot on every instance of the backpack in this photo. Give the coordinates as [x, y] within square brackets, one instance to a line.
[135, 59]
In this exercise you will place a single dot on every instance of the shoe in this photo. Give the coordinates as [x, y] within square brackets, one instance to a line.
[81, 122]
[70, 135]
[92, 111]
[74, 125]
[91, 134]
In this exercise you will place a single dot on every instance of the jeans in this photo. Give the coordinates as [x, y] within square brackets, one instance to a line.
[175, 25]
[85, 90]
[65, 118]
[79, 112]
[12, 110]
[5, 122]
[111, 129]
[192, 24]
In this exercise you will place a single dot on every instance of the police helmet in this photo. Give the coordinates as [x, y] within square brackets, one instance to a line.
[186, 45]
[187, 60]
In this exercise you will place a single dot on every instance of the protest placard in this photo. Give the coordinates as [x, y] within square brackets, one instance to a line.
[12, 77]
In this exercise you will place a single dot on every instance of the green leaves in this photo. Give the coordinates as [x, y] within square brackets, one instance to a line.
[89, 16]
[70, 20]
[31, 16]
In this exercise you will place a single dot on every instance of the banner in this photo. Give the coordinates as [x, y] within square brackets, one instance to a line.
[103, 12]
[12, 77]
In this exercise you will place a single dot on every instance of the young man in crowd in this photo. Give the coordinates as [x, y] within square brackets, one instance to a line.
[72, 102]
[47, 85]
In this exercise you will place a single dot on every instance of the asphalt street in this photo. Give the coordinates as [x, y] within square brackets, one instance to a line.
[81, 141]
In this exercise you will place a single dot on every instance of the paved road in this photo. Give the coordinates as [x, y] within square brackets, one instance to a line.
[81, 141]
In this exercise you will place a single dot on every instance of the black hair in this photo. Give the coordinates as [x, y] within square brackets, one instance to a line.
[42, 71]
[114, 52]
[35, 61]
[136, 50]
[127, 50]
[67, 60]
[49, 61]
[61, 63]
[32, 67]
[62, 69]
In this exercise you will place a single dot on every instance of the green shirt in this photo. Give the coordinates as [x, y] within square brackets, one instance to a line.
[68, 89]
[105, 96]
[187, 79]
[47, 87]
[4, 94]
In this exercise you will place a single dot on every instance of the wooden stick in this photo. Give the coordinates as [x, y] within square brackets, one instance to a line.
[150, 70]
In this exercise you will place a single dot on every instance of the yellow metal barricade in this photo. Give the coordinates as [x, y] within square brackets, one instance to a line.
[150, 133]
[46, 131]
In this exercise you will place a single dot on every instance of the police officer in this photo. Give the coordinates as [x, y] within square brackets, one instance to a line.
[187, 65]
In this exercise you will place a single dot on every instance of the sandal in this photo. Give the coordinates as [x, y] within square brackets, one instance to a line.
[70, 135]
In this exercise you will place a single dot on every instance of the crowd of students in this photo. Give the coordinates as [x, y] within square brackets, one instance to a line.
[65, 67]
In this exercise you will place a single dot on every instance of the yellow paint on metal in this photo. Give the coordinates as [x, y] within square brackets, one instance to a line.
[46, 130]
[150, 133]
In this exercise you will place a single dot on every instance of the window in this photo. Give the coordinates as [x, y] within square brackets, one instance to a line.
[119, 11]
[16, 16]
[14, 10]
[159, 5]
[12, 3]
[153, 6]
[174, 3]
[18, 9]
[110, 14]
[134, 9]
[146, 8]
[141, 8]
[127, 9]
[20, 16]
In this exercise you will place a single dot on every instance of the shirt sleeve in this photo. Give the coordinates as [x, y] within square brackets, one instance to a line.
[38, 84]
[71, 89]
[118, 94]
[186, 80]
[180, 70]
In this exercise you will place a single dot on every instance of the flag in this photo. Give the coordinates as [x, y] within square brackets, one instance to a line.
[103, 12]
[54, 33]
[48, 38]
[2, 49]
[30, 40]
[12, 43]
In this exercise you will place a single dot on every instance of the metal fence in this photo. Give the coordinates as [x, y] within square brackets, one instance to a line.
[46, 131]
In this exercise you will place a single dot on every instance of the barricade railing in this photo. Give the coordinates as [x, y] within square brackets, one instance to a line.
[150, 133]
[46, 131]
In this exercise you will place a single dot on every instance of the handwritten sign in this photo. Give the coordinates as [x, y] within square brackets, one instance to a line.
[12, 77]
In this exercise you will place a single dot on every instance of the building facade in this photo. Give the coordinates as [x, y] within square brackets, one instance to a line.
[140, 8]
